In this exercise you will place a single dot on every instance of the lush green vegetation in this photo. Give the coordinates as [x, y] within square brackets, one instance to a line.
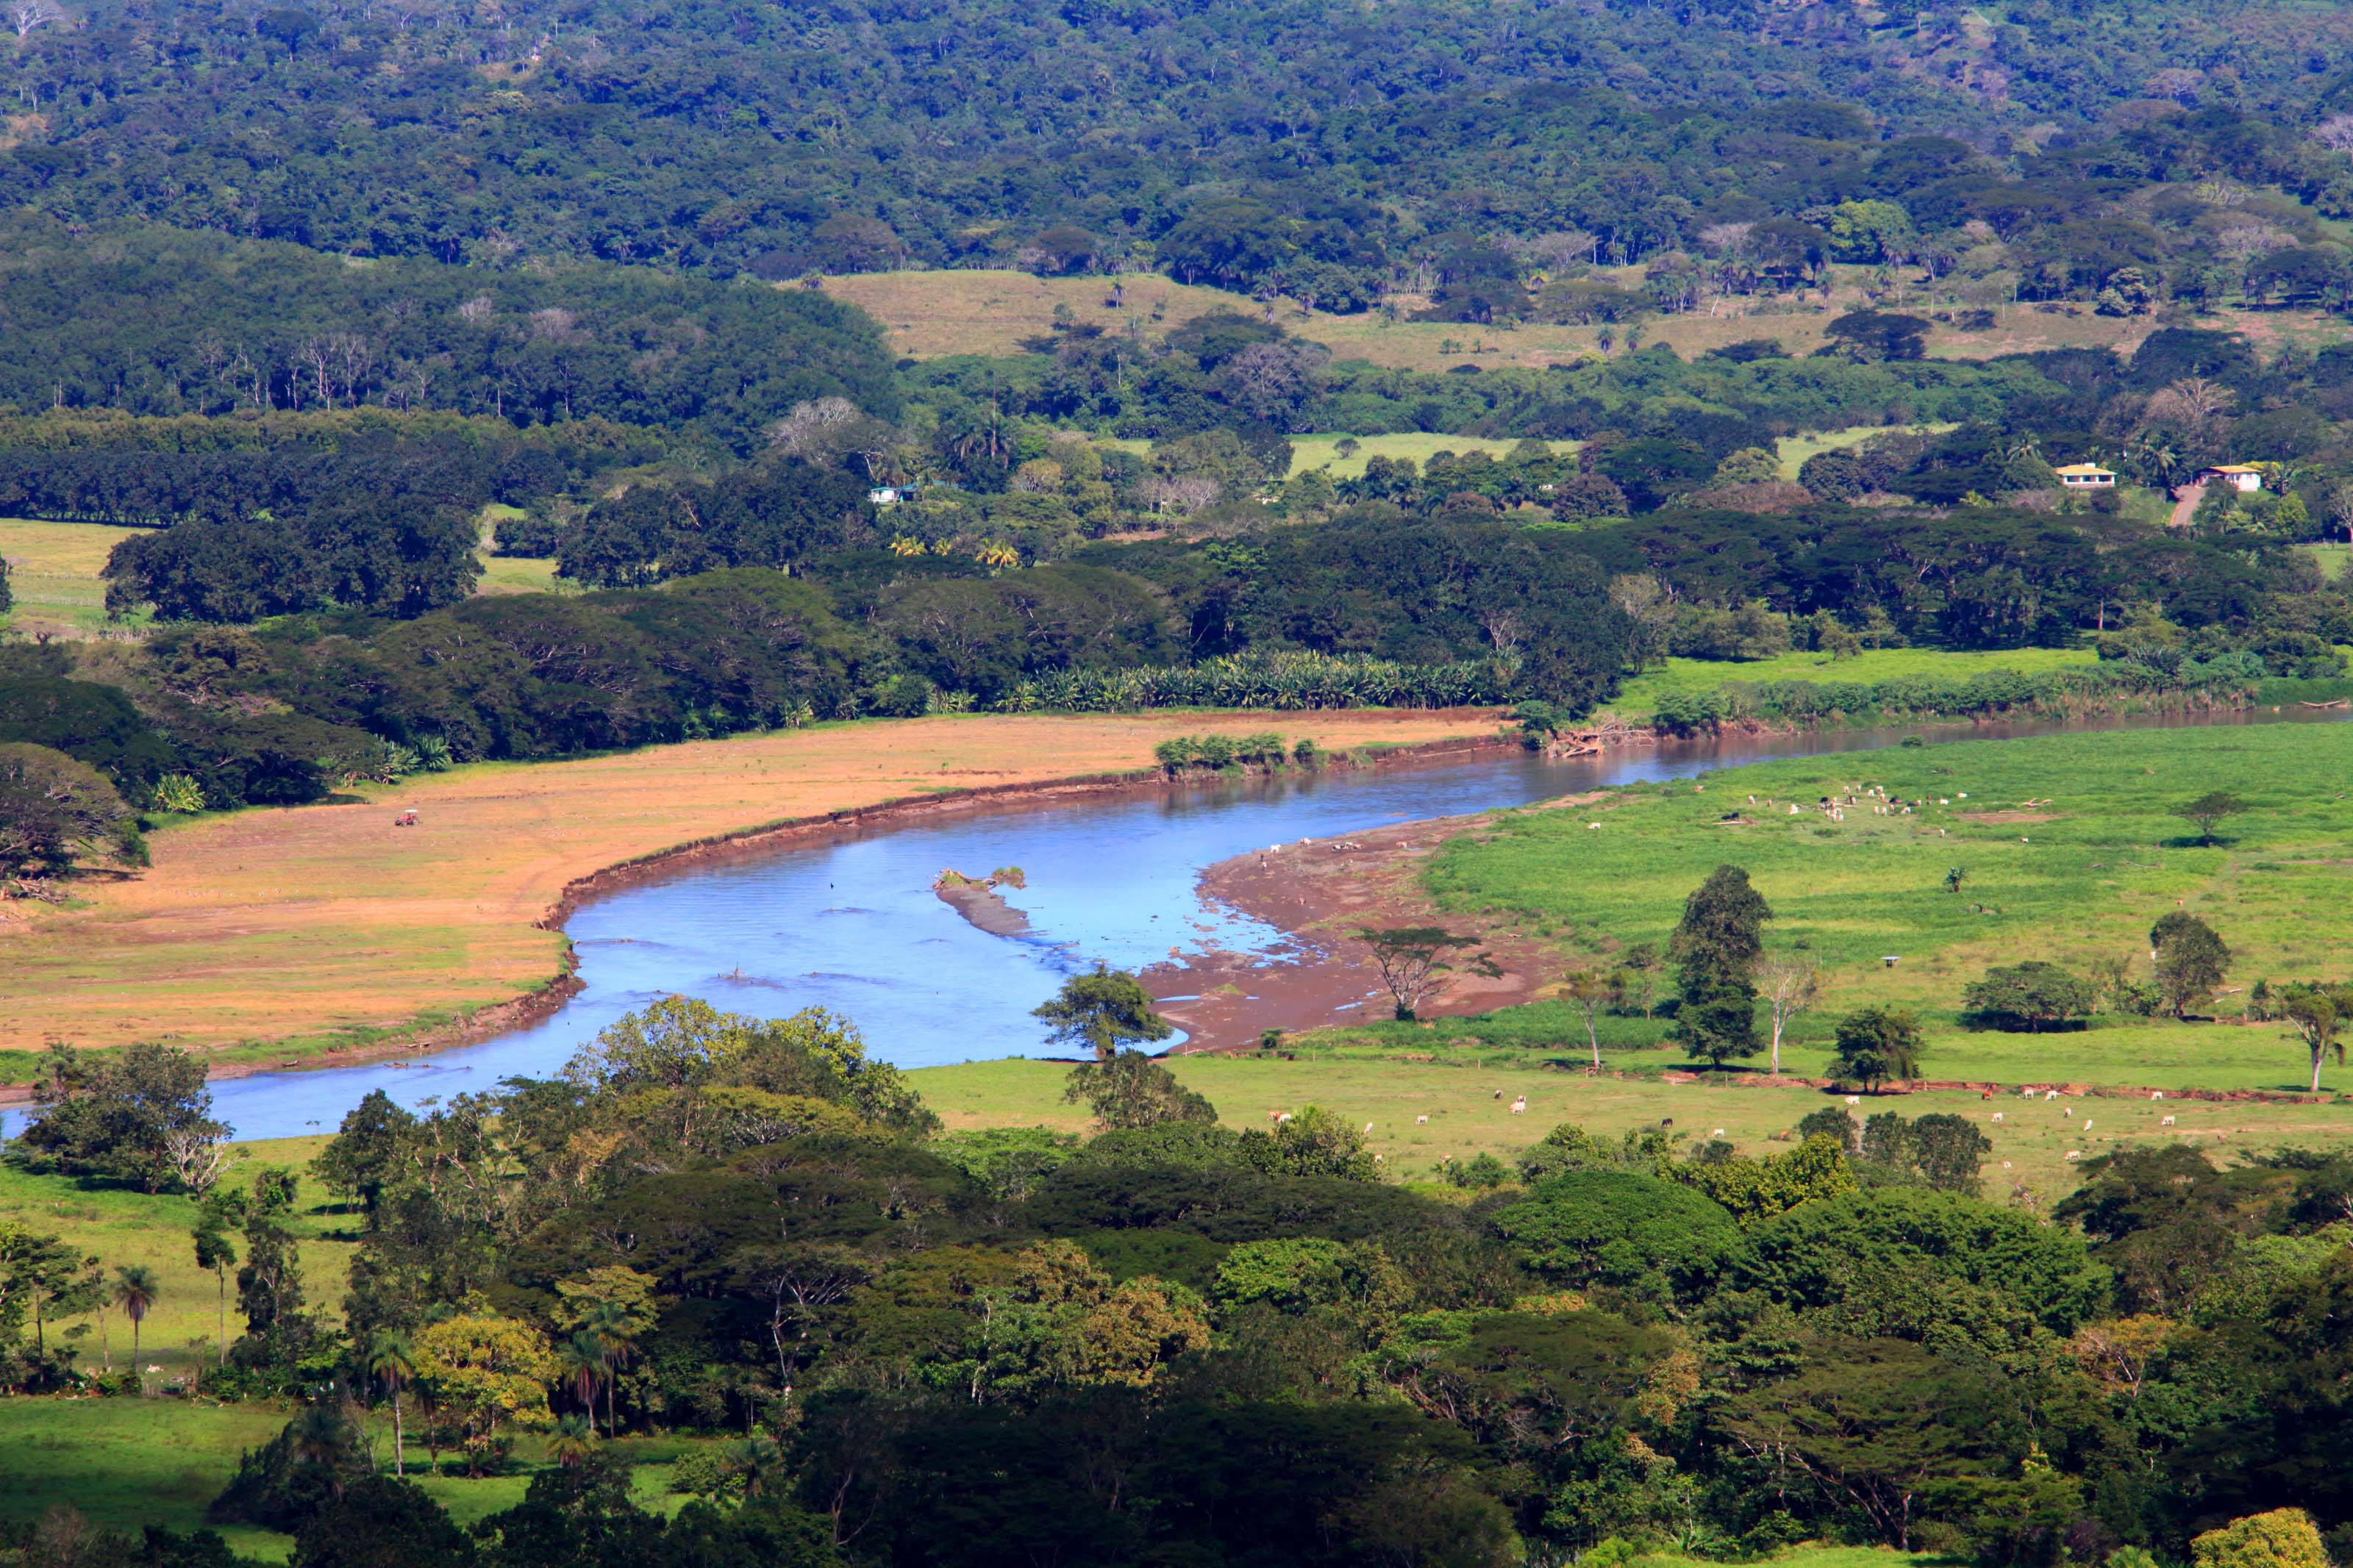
[1639, 696]
[568, 1301]
[2069, 848]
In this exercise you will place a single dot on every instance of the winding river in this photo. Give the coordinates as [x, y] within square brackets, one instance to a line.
[849, 921]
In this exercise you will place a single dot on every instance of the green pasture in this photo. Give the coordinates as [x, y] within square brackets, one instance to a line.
[123, 1225]
[1637, 698]
[1793, 450]
[1456, 1074]
[125, 1463]
[2082, 871]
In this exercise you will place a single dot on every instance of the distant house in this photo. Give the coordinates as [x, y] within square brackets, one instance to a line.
[2086, 477]
[883, 494]
[2238, 476]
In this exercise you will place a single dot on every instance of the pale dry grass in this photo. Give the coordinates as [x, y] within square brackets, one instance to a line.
[931, 314]
[287, 924]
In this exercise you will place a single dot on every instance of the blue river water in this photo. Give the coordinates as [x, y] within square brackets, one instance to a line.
[848, 922]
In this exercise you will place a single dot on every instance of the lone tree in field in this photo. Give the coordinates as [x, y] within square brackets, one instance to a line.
[136, 1292]
[1411, 957]
[1877, 1045]
[1792, 982]
[1715, 949]
[2191, 960]
[1103, 1011]
[2317, 1013]
[1589, 992]
[2209, 809]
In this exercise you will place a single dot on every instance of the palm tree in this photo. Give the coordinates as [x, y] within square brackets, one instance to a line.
[583, 1360]
[615, 1331]
[574, 1439]
[324, 1438]
[390, 1362]
[135, 1291]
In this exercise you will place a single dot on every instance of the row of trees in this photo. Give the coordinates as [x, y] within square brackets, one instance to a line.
[938, 1344]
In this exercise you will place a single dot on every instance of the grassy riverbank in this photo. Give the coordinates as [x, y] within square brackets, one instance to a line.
[1639, 698]
[266, 934]
[2070, 847]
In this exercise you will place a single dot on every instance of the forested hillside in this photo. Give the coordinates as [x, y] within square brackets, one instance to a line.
[1338, 151]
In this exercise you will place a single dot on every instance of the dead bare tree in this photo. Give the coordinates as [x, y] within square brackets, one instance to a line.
[27, 15]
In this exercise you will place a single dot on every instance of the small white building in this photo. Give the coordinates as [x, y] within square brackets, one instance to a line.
[883, 494]
[2086, 477]
[2241, 477]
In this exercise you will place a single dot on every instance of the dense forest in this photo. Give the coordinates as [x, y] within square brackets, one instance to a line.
[1250, 144]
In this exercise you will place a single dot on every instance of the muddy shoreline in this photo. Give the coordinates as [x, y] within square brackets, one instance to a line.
[522, 1012]
[1319, 892]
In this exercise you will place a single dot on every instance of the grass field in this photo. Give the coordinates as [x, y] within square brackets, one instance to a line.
[1322, 451]
[520, 574]
[2081, 872]
[122, 1226]
[267, 933]
[125, 1463]
[931, 314]
[2332, 558]
[1638, 699]
[53, 573]
[1456, 1085]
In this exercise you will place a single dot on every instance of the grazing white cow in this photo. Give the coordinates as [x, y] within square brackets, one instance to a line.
[2049, 1095]
[1854, 1100]
[2157, 1094]
[1519, 1105]
[2074, 1153]
[2165, 1121]
[2087, 1124]
[1997, 1116]
[2070, 1113]
[1281, 1119]
[1717, 1133]
[1420, 1120]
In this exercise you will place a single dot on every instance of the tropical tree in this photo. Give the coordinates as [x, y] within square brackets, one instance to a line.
[574, 1441]
[136, 1290]
[324, 1439]
[581, 1360]
[489, 1369]
[218, 1211]
[1877, 1045]
[615, 1327]
[1103, 1011]
[2317, 1014]
[1411, 957]
[1717, 947]
[1586, 992]
[2191, 960]
[2209, 809]
[390, 1361]
[1791, 982]
[1131, 1089]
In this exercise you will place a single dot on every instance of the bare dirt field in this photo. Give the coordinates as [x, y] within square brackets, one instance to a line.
[263, 933]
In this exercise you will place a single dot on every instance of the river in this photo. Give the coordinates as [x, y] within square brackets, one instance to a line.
[849, 923]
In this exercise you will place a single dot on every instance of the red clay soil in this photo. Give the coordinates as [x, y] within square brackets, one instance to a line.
[1321, 892]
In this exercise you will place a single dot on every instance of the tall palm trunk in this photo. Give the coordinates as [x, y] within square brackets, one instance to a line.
[399, 1467]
